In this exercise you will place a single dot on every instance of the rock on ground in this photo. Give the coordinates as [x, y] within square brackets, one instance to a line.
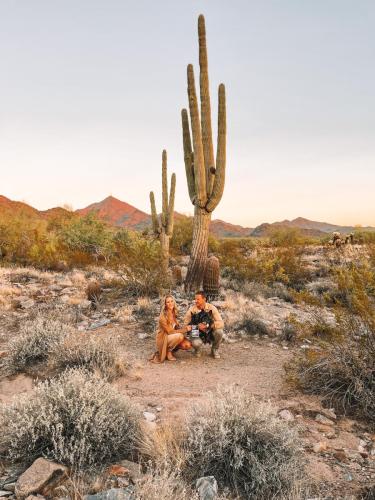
[42, 477]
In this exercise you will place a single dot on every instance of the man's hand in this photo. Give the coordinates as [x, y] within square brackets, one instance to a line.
[202, 327]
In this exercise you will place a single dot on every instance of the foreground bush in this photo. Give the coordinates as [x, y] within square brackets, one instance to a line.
[37, 339]
[344, 372]
[81, 351]
[77, 419]
[243, 444]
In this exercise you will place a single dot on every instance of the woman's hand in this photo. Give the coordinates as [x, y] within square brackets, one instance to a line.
[188, 328]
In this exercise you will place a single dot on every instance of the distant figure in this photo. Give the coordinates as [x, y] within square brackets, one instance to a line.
[351, 236]
[206, 325]
[169, 335]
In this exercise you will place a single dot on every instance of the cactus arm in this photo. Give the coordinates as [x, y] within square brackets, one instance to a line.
[154, 215]
[218, 187]
[199, 170]
[188, 155]
[208, 148]
[171, 206]
[164, 214]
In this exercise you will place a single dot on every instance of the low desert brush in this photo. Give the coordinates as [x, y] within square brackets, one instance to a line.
[99, 356]
[243, 444]
[35, 342]
[342, 372]
[77, 419]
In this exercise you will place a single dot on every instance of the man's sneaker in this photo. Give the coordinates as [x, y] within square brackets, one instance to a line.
[215, 354]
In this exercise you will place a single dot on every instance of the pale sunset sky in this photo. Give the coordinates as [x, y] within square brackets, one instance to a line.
[91, 92]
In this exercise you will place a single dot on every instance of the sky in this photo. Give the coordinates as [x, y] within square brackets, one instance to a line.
[91, 93]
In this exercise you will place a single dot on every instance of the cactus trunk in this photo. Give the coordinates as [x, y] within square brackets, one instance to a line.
[205, 177]
[164, 243]
[199, 249]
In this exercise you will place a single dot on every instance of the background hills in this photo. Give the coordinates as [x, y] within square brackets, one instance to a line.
[121, 214]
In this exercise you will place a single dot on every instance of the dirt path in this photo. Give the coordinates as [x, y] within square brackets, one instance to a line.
[256, 366]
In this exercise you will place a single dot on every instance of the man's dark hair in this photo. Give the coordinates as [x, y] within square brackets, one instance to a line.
[202, 293]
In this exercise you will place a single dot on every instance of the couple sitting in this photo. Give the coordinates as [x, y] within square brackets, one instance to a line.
[202, 324]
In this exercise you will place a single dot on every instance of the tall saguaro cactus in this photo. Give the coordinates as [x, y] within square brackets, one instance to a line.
[205, 178]
[163, 225]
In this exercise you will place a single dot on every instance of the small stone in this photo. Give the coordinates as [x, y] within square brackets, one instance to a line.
[159, 409]
[117, 470]
[142, 336]
[286, 415]
[150, 417]
[41, 477]
[340, 455]
[207, 488]
[99, 323]
[135, 473]
[320, 447]
[113, 494]
[4, 494]
[323, 420]
[3, 354]
[9, 487]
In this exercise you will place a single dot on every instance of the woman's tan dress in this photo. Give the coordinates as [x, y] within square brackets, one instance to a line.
[167, 337]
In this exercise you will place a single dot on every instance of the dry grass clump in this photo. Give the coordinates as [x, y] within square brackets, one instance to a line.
[26, 274]
[243, 444]
[240, 315]
[77, 419]
[99, 356]
[164, 484]
[145, 312]
[35, 342]
[343, 372]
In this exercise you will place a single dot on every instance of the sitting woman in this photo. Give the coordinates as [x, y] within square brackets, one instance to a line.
[169, 335]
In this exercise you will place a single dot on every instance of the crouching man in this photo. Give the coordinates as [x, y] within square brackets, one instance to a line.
[206, 325]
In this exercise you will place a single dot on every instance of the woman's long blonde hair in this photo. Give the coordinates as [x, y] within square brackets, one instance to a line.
[163, 311]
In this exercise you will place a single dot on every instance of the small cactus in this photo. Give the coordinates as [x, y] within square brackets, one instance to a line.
[163, 226]
[177, 275]
[93, 293]
[211, 278]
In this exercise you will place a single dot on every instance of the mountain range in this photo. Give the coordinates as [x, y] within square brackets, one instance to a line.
[121, 214]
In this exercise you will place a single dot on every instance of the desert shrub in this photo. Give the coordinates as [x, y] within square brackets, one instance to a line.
[98, 356]
[35, 342]
[243, 444]
[164, 484]
[267, 266]
[77, 419]
[288, 237]
[343, 372]
[252, 325]
[355, 289]
[138, 266]
[87, 236]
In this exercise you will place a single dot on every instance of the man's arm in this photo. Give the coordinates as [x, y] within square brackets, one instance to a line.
[218, 320]
[187, 318]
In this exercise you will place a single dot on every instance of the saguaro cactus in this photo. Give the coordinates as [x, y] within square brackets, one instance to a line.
[211, 279]
[163, 225]
[205, 178]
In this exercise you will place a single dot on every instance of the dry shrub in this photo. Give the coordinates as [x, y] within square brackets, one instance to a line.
[35, 342]
[124, 314]
[343, 372]
[243, 444]
[145, 312]
[164, 484]
[77, 419]
[99, 356]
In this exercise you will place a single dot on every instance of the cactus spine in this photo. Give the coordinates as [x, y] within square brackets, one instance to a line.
[211, 279]
[205, 179]
[163, 225]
